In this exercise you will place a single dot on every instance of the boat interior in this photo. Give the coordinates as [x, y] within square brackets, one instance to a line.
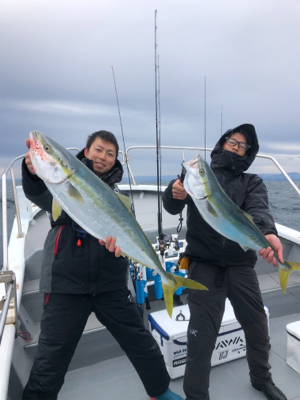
[99, 368]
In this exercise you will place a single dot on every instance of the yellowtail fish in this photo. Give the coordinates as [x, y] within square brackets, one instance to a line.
[96, 208]
[223, 215]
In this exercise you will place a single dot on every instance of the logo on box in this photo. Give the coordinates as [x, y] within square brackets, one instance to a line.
[180, 361]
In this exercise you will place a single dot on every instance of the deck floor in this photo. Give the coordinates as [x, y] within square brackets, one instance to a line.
[113, 377]
[117, 379]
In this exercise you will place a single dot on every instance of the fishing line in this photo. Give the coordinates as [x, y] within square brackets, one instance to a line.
[126, 158]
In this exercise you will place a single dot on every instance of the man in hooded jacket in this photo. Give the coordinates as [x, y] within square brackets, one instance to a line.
[225, 268]
[80, 276]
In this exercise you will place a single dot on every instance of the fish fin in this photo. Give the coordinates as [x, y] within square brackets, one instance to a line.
[73, 192]
[284, 273]
[245, 248]
[248, 216]
[125, 200]
[56, 210]
[175, 282]
[211, 210]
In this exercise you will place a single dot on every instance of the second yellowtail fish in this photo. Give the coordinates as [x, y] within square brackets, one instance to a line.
[223, 215]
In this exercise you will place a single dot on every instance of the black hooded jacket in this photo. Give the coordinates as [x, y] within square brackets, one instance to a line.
[73, 261]
[245, 190]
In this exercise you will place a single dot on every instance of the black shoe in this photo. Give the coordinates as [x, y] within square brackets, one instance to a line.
[270, 391]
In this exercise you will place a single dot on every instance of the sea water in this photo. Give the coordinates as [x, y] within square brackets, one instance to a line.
[284, 203]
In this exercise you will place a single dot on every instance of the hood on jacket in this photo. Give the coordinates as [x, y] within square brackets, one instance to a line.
[230, 160]
[114, 175]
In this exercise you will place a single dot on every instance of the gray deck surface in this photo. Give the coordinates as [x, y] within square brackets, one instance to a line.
[100, 370]
[117, 379]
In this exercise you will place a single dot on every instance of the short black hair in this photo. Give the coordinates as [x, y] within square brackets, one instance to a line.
[105, 136]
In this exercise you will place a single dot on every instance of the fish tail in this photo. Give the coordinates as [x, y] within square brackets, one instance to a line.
[175, 282]
[284, 273]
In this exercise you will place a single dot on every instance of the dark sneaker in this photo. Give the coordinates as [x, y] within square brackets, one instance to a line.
[270, 391]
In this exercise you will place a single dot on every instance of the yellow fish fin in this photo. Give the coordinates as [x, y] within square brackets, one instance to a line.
[56, 210]
[244, 247]
[211, 210]
[284, 273]
[73, 192]
[175, 282]
[125, 200]
[248, 216]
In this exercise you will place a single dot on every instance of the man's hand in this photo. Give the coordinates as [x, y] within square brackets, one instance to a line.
[267, 254]
[110, 245]
[178, 190]
[28, 159]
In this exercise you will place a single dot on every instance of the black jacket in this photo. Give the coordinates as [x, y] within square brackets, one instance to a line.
[73, 261]
[246, 190]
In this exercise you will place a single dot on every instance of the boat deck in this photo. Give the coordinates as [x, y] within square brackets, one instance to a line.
[100, 369]
[116, 378]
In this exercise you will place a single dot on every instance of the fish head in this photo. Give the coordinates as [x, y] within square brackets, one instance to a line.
[47, 160]
[195, 182]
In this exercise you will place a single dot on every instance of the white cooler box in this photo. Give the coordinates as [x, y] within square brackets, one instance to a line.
[293, 345]
[171, 336]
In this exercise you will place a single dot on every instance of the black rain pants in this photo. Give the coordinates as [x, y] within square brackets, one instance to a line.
[240, 285]
[62, 324]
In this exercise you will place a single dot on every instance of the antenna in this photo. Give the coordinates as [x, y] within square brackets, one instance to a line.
[126, 159]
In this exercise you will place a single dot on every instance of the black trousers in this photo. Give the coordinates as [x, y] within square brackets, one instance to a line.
[241, 286]
[62, 324]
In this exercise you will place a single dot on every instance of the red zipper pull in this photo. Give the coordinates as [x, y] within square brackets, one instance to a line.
[79, 242]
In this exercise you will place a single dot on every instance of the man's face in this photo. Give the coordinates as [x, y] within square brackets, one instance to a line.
[103, 154]
[239, 137]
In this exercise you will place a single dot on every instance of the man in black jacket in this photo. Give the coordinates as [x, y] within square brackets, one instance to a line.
[80, 276]
[225, 268]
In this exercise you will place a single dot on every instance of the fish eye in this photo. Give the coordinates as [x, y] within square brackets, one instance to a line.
[47, 148]
[201, 171]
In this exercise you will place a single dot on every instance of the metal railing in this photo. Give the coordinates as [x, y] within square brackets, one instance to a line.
[182, 148]
[6, 276]
[9, 279]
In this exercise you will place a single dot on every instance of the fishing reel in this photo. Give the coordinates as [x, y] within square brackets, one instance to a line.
[167, 243]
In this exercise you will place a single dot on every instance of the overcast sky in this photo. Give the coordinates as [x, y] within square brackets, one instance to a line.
[56, 74]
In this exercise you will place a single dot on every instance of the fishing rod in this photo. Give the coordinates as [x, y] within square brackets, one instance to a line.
[158, 143]
[205, 118]
[138, 286]
[126, 158]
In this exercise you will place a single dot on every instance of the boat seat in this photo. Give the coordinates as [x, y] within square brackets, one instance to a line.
[30, 287]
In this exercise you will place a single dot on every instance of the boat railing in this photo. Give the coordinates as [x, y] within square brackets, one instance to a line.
[182, 148]
[6, 276]
[10, 168]
[9, 279]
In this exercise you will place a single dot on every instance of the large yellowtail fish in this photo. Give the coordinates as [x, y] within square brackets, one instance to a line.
[223, 215]
[96, 208]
